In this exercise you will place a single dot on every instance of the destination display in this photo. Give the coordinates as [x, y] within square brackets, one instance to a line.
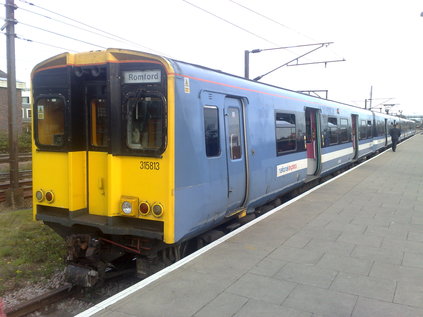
[142, 76]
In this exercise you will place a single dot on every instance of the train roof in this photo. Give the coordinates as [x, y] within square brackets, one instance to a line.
[260, 83]
[288, 90]
[65, 57]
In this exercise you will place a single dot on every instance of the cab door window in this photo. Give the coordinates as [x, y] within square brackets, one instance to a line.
[99, 123]
[50, 121]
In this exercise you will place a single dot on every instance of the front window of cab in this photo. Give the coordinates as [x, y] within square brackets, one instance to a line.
[50, 121]
[145, 125]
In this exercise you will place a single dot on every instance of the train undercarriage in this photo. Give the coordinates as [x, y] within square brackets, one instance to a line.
[93, 258]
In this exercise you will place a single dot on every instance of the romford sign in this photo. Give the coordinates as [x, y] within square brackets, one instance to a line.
[142, 76]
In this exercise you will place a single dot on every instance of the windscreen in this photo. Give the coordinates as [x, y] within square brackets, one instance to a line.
[145, 123]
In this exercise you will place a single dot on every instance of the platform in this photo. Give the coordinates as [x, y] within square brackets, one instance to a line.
[352, 247]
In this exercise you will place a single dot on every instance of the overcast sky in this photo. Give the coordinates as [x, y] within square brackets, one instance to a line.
[381, 41]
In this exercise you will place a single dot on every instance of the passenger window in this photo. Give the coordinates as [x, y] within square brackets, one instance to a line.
[333, 130]
[234, 133]
[211, 131]
[343, 131]
[286, 140]
[145, 123]
[50, 121]
[99, 123]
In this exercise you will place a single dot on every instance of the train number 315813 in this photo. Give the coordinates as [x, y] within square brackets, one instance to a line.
[144, 165]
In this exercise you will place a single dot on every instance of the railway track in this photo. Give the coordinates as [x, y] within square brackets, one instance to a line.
[49, 302]
[42, 301]
[25, 176]
[23, 157]
[25, 182]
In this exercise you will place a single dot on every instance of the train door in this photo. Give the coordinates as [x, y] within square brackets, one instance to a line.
[354, 135]
[235, 148]
[313, 141]
[97, 147]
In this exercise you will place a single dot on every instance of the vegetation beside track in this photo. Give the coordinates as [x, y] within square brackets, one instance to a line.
[24, 140]
[29, 250]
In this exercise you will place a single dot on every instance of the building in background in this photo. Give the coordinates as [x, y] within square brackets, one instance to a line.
[21, 91]
[26, 106]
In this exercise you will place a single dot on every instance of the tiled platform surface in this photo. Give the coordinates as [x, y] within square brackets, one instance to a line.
[353, 247]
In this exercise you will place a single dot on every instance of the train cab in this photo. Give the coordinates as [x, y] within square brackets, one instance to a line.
[103, 144]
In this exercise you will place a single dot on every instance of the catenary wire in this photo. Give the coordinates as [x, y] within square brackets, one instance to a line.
[71, 19]
[115, 37]
[272, 20]
[229, 22]
[278, 23]
[39, 42]
[61, 35]
[68, 24]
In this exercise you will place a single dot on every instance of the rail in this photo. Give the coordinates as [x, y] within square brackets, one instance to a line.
[50, 299]
[23, 157]
[25, 176]
[25, 183]
[41, 301]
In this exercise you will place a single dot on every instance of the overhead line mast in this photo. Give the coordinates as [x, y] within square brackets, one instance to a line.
[14, 195]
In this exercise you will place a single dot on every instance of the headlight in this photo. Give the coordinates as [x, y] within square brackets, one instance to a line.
[127, 207]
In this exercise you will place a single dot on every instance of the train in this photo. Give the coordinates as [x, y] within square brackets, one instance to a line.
[139, 157]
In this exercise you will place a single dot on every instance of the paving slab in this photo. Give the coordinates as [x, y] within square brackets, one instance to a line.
[321, 301]
[224, 305]
[370, 287]
[374, 308]
[307, 274]
[389, 256]
[256, 308]
[265, 289]
[346, 264]
[352, 248]
[409, 293]
[331, 247]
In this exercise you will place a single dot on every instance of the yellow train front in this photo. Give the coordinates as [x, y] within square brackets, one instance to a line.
[103, 157]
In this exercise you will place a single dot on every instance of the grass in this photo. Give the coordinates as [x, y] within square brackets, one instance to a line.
[29, 250]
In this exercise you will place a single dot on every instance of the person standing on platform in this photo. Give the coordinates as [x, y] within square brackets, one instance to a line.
[395, 133]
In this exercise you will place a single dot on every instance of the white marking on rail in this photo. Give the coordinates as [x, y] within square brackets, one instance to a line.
[136, 287]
